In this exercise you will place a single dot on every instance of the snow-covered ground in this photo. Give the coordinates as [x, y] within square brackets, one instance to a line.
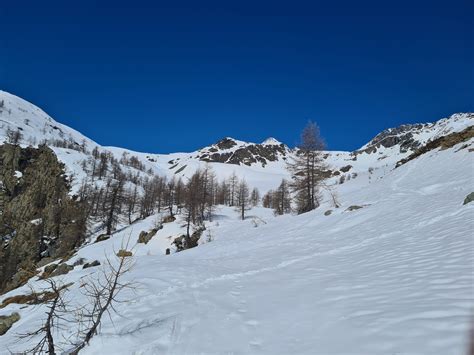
[393, 277]
[36, 127]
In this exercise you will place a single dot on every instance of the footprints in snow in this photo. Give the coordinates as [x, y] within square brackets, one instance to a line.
[250, 325]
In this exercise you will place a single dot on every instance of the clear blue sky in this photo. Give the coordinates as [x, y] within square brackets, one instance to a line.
[174, 76]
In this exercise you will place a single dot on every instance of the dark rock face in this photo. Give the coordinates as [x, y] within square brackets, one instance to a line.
[443, 142]
[402, 136]
[226, 143]
[38, 218]
[248, 154]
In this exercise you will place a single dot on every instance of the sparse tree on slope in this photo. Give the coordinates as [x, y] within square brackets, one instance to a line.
[307, 169]
[243, 199]
[282, 199]
[255, 197]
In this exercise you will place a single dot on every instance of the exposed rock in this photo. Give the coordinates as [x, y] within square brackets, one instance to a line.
[92, 264]
[20, 278]
[402, 136]
[184, 242]
[226, 143]
[6, 322]
[102, 237]
[32, 298]
[79, 262]
[168, 219]
[328, 212]
[469, 198]
[34, 197]
[248, 154]
[444, 142]
[145, 237]
[353, 208]
[48, 270]
[168, 251]
[124, 253]
[62, 269]
[346, 168]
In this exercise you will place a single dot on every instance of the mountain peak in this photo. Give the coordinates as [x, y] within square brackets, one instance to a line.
[271, 141]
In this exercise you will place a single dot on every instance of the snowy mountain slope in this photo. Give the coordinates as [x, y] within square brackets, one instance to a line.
[394, 276]
[262, 165]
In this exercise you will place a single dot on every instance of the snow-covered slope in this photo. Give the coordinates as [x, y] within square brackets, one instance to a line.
[392, 277]
[263, 165]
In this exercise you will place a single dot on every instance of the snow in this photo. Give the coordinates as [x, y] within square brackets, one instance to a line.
[271, 141]
[392, 277]
[18, 174]
[395, 276]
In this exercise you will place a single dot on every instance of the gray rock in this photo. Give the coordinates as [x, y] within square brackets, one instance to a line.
[6, 322]
[102, 237]
[62, 269]
[353, 208]
[92, 264]
[469, 198]
[328, 212]
[79, 261]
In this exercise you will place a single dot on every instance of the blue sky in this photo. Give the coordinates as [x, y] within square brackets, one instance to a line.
[175, 76]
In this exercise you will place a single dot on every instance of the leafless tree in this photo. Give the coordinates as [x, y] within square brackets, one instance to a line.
[57, 310]
[307, 169]
[103, 294]
[14, 136]
[281, 200]
[243, 201]
[255, 197]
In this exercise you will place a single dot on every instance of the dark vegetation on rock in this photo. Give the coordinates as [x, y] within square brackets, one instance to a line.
[39, 219]
[444, 142]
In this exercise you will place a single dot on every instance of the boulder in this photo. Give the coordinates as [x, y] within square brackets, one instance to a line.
[92, 264]
[169, 219]
[143, 237]
[353, 208]
[79, 262]
[469, 198]
[328, 212]
[6, 322]
[48, 270]
[122, 253]
[102, 237]
[61, 269]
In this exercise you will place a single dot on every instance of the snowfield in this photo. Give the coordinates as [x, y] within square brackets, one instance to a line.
[392, 277]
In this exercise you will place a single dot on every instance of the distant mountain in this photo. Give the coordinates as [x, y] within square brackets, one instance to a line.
[262, 164]
[387, 251]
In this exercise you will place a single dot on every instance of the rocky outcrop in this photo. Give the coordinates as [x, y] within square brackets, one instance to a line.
[145, 237]
[443, 142]
[91, 264]
[184, 242]
[229, 151]
[6, 322]
[38, 218]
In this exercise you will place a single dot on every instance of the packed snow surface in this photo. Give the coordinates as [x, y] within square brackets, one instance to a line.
[393, 277]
